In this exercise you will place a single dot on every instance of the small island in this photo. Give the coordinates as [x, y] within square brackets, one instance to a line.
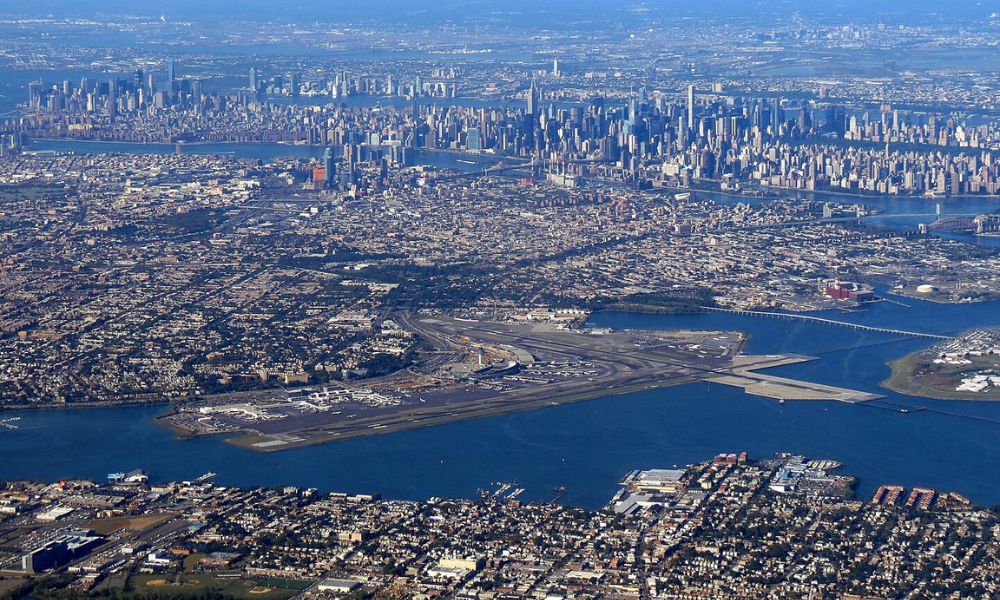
[963, 368]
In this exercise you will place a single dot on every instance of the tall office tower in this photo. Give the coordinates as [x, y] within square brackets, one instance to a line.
[35, 93]
[419, 86]
[555, 67]
[473, 141]
[196, 91]
[329, 167]
[531, 118]
[690, 107]
[351, 156]
[150, 85]
[293, 84]
[170, 70]
[533, 99]
[253, 79]
[137, 80]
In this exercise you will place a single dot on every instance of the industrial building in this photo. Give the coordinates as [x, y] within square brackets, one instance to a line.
[71, 545]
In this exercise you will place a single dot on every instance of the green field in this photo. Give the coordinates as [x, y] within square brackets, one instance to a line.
[914, 375]
[198, 584]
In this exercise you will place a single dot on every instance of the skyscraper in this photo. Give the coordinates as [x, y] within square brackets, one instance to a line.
[473, 141]
[253, 79]
[690, 107]
[35, 93]
[196, 91]
[532, 99]
[555, 67]
[329, 167]
[170, 70]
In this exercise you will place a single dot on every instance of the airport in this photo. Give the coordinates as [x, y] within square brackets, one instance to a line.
[480, 368]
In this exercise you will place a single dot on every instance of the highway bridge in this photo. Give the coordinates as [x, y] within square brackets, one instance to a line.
[826, 321]
[502, 167]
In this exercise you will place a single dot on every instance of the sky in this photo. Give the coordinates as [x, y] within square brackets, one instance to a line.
[439, 10]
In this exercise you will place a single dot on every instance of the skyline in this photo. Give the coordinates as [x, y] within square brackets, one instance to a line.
[510, 10]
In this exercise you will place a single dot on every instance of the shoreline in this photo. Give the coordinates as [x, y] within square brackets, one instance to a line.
[901, 381]
[79, 405]
[450, 151]
[247, 440]
[497, 157]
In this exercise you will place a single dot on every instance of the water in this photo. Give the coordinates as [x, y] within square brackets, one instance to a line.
[587, 446]
[260, 151]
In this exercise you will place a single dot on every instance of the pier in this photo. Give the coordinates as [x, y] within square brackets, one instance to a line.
[826, 321]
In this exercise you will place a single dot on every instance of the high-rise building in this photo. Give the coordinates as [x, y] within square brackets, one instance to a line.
[196, 91]
[473, 141]
[690, 107]
[532, 99]
[329, 166]
[34, 93]
[170, 70]
[253, 79]
[350, 157]
[555, 67]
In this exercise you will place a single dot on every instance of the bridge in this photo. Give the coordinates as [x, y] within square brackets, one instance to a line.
[825, 321]
[952, 223]
[502, 167]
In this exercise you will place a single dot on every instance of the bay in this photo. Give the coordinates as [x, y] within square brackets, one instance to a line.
[588, 446]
